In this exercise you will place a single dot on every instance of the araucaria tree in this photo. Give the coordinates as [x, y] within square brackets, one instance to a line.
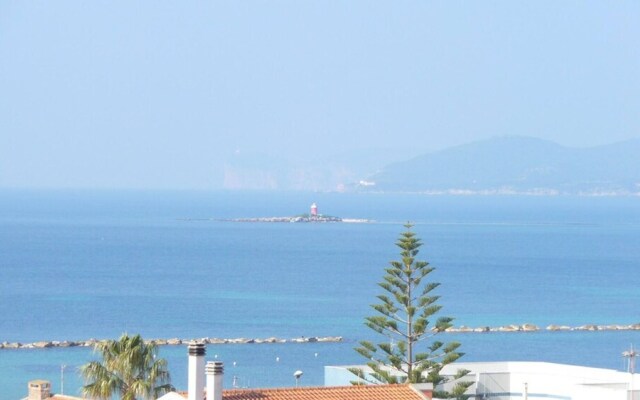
[129, 369]
[406, 316]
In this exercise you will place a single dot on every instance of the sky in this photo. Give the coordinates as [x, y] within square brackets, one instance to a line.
[160, 94]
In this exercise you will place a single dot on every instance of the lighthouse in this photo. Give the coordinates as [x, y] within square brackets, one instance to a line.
[314, 210]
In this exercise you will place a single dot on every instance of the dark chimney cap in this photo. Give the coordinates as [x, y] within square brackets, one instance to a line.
[197, 349]
[214, 368]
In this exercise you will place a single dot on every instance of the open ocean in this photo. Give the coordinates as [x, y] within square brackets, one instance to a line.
[94, 264]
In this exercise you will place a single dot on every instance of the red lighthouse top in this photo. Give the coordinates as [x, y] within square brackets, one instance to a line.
[314, 210]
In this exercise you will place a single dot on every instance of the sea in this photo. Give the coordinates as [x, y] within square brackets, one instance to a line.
[86, 264]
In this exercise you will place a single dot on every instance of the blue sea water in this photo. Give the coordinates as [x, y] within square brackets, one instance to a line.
[80, 264]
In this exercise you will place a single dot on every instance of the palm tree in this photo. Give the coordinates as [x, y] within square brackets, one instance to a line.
[129, 369]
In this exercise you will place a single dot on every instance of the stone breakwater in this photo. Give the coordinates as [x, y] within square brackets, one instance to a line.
[168, 342]
[327, 339]
[551, 328]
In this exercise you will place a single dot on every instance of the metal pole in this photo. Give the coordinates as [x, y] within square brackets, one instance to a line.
[62, 367]
[631, 355]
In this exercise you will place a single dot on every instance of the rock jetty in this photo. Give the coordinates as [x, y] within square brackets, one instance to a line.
[169, 342]
[330, 339]
[550, 328]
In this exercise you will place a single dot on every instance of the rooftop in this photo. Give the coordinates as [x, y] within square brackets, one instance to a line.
[358, 392]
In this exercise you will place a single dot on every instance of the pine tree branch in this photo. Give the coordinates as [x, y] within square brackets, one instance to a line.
[406, 313]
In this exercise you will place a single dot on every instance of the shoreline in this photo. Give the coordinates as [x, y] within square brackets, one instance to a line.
[46, 344]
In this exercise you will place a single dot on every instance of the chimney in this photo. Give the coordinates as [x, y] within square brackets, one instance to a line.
[39, 390]
[425, 389]
[196, 370]
[215, 373]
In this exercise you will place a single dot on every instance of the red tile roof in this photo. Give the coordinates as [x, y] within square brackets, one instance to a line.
[359, 392]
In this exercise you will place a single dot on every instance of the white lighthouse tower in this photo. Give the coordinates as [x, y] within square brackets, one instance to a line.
[314, 210]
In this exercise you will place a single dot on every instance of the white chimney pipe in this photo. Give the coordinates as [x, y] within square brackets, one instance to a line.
[215, 373]
[196, 370]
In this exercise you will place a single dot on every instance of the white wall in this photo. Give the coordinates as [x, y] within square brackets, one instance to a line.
[506, 381]
[551, 381]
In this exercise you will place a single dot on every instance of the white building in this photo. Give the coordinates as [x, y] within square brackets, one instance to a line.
[529, 380]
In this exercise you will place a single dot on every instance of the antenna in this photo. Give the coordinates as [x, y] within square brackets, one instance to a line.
[631, 355]
[297, 375]
[62, 367]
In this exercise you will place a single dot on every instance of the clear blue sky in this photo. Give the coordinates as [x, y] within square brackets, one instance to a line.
[157, 94]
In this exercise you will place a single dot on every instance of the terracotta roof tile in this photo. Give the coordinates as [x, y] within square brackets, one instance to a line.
[361, 392]
[358, 392]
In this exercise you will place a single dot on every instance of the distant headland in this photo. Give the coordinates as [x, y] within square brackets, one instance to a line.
[313, 217]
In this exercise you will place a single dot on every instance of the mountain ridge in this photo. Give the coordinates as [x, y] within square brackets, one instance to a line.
[516, 164]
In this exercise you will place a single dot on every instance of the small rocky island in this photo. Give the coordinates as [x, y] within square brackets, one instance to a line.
[313, 216]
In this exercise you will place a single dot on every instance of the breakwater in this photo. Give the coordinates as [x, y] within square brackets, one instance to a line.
[326, 339]
[168, 342]
[551, 328]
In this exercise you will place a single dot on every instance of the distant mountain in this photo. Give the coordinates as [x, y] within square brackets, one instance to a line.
[515, 164]
[318, 169]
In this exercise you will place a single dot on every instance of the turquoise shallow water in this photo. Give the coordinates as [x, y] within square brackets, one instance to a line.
[75, 265]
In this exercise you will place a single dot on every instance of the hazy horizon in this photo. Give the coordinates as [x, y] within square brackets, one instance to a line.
[166, 96]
